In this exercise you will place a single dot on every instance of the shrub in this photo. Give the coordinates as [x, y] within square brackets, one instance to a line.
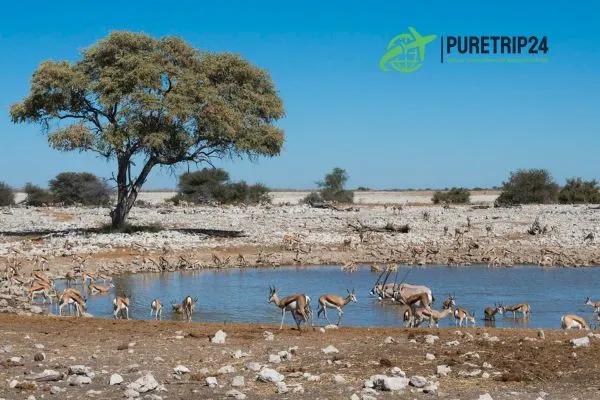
[36, 196]
[79, 188]
[528, 186]
[312, 198]
[453, 196]
[332, 188]
[363, 189]
[213, 184]
[7, 196]
[579, 191]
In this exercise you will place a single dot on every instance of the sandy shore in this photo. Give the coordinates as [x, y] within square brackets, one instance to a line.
[78, 358]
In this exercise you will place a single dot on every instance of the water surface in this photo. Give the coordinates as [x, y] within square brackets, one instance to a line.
[240, 295]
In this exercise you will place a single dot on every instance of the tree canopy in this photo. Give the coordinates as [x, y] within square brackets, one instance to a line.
[132, 95]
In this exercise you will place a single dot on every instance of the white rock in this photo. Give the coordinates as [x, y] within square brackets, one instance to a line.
[13, 384]
[430, 339]
[115, 379]
[485, 397]
[253, 366]
[274, 359]
[39, 346]
[486, 365]
[339, 379]
[322, 330]
[470, 374]
[144, 384]
[386, 383]
[15, 360]
[79, 380]
[429, 357]
[268, 335]
[453, 343]
[285, 355]
[443, 370]
[47, 375]
[398, 372]
[211, 382]
[236, 394]
[581, 342]
[485, 375]
[389, 340]
[219, 337]
[418, 381]
[238, 381]
[298, 389]
[269, 375]
[227, 369]
[56, 390]
[330, 349]
[131, 394]
[79, 370]
[282, 387]
[180, 370]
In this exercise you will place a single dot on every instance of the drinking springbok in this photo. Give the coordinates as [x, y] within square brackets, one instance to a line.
[433, 316]
[156, 307]
[42, 289]
[334, 301]
[524, 309]
[120, 304]
[100, 289]
[87, 275]
[572, 321]
[297, 304]
[72, 297]
[188, 306]
[460, 314]
[596, 305]
[489, 313]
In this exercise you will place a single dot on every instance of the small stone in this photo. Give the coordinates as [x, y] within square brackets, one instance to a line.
[92, 393]
[470, 374]
[430, 339]
[282, 387]
[180, 370]
[79, 380]
[485, 375]
[298, 389]
[322, 330]
[211, 382]
[237, 354]
[78, 370]
[389, 340]
[268, 335]
[269, 375]
[46, 376]
[115, 379]
[581, 342]
[453, 343]
[339, 379]
[56, 390]
[238, 381]
[331, 326]
[39, 346]
[15, 360]
[330, 349]
[443, 370]
[253, 366]
[274, 359]
[418, 381]
[487, 365]
[13, 384]
[285, 355]
[144, 384]
[219, 337]
[485, 396]
[236, 394]
[398, 372]
[130, 394]
[541, 334]
[429, 357]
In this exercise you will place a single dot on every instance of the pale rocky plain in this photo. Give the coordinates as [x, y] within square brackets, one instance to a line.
[50, 357]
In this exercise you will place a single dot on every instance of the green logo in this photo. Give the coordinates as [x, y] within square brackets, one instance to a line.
[405, 52]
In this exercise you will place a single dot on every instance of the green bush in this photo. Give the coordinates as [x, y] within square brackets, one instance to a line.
[208, 185]
[332, 188]
[36, 196]
[579, 191]
[7, 196]
[452, 196]
[312, 198]
[79, 188]
[528, 186]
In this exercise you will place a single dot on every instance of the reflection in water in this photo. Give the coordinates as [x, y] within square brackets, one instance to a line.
[240, 295]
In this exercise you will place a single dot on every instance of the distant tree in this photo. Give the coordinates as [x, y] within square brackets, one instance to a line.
[577, 190]
[7, 196]
[37, 196]
[528, 186]
[453, 196]
[332, 187]
[79, 188]
[133, 97]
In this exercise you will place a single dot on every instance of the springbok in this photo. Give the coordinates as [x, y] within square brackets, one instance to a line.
[42, 289]
[72, 297]
[450, 302]
[433, 316]
[297, 304]
[404, 290]
[40, 277]
[522, 308]
[188, 306]
[100, 289]
[596, 305]
[87, 275]
[104, 277]
[121, 303]
[416, 303]
[177, 307]
[156, 307]
[70, 278]
[490, 312]
[572, 321]
[334, 301]
[460, 315]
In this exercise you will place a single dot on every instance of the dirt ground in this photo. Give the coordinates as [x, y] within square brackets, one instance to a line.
[520, 364]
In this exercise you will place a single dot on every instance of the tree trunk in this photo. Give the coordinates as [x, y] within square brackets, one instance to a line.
[127, 193]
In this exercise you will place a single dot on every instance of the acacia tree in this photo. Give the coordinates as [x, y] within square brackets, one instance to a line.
[134, 97]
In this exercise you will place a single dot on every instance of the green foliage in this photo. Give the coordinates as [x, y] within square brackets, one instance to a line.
[7, 196]
[579, 191]
[36, 196]
[527, 187]
[332, 188]
[132, 96]
[452, 196]
[212, 184]
[363, 189]
[79, 188]
[312, 198]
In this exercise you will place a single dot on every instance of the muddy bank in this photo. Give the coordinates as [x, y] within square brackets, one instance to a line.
[79, 357]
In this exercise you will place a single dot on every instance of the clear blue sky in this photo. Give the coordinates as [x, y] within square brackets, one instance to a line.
[444, 125]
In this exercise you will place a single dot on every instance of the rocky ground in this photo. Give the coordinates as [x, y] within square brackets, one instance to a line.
[48, 357]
